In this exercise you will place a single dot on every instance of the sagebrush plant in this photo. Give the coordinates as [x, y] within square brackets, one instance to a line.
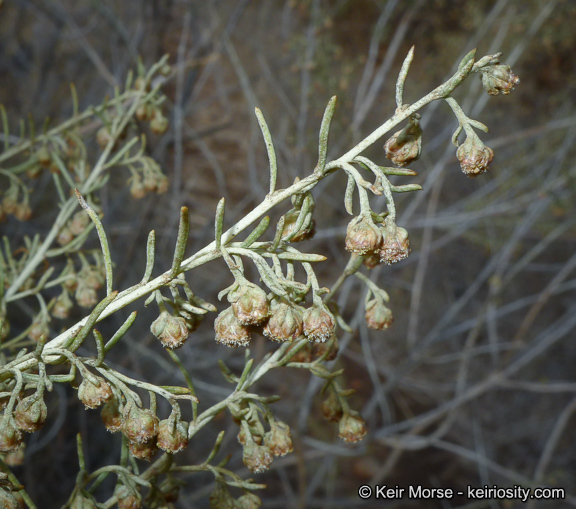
[301, 316]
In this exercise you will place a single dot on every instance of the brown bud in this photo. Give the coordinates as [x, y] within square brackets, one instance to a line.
[405, 146]
[170, 330]
[285, 324]
[378, 316]
[62, 306]
[498, 79]
[4, 328]
[43, 157]
[220, 498]
[30, 413]
[23, 212]
[85, 297]
[103, 137]
[159, 124]
[395, 243]
[111, 416]
[250, 304]
[304, 354]
[318, 323]
[331, 408]
[65, 236]
[328, 348]
[474, 156]
[279, 439]
[140, 424]
[351, 428]
[10, 436]
[229, 331]
[363, 236]
[256, 457]
[143, 450]
[137, 188]
[306, 232]
[39, 328]
[172, 435]
[79, 222]
[127, 498]
[94, 394]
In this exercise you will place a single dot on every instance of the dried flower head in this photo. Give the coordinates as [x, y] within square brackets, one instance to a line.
[319, 323]
[79, 222]
[351, 428]
[395, 243]
[39, 328]
[229, 331]
[172, 435]
[140, 424]
[279, 439]
[111, 415]
[256, 457]
[363, 236]
[30, 413]
[94, 393]
[285, 324]
[405, 146]
[378, 316]
[172, 331]
[306, 232]
[62, 306]
[128, 497]
[331, 407]
[474, 156]
[143, 450]
[498, 79]
[250, 304]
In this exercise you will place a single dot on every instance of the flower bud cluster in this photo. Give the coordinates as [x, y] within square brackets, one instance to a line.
[89, 280]
[386, 243]
[281, 320]
[12, 205]
[151, 179]
[144, 431]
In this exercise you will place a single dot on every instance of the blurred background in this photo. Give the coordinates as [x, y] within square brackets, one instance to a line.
[475, 382]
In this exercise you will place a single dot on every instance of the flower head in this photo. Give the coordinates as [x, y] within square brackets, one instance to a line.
[378, 316]
[405, 146]
[279, 439]
[285, 324]
[351, 428]
[395, 243]
[318, 323]
[363, 236]
[229, 330]
[94, 394]
[498, 79]
[170, 330]
[250, 304]
[474, 156]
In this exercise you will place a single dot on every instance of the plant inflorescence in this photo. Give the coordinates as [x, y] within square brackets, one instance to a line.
[55, 273]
